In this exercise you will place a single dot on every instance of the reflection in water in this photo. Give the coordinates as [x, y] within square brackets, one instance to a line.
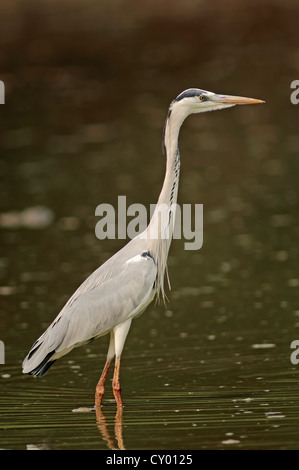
[83, 125]
[118, 428]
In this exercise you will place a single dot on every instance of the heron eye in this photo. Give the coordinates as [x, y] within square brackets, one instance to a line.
[202, 98]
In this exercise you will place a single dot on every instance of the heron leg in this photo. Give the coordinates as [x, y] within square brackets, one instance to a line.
[100, 388]
[120, 335]
[116, 383]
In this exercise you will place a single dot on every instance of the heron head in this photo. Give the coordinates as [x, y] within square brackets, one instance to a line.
[195, 100]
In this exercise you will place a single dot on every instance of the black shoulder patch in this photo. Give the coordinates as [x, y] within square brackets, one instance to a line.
[147, 254]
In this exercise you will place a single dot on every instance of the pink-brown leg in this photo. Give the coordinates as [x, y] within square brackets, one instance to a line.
[119, 428]
[100, 388]
[116, 383]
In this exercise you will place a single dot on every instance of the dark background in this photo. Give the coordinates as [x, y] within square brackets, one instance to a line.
[87, 87]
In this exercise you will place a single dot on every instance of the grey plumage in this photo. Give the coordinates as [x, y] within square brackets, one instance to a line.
[92, 311]
[123, 286]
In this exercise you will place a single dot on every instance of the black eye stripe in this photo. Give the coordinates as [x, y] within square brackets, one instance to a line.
[190, 93]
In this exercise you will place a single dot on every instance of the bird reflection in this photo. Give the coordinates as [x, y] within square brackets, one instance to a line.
[118, 428]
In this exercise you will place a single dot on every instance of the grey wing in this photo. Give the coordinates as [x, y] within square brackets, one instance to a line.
[97, 311]
[96, 307]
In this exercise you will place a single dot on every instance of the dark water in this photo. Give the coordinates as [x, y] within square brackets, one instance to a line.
[82, 124]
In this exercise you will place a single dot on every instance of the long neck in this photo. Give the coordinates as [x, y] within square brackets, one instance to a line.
[161, 226]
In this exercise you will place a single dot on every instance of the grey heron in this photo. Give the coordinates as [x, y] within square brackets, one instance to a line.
[122, 287]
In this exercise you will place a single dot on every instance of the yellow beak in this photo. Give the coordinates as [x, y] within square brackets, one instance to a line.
[227, 99]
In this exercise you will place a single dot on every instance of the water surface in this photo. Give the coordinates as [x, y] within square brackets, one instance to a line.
[210, 369]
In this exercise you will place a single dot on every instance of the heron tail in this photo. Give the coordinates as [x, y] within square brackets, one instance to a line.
[42, 368]
[38, 360]
[47, 348]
